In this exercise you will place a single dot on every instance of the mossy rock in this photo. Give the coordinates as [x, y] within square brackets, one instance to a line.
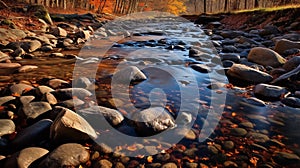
[40, 12]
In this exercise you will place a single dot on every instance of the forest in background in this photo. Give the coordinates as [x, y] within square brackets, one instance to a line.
[173, 6]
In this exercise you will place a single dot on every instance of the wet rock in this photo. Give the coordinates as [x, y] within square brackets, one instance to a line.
[230, 56]
[6, 99]
[27, 68]
[292, 63]
[269, 91]
[69, 126]
[31, 46]
[7, 127]
[240, 132]
[35, 109]
[169, 165]
[33, 134]
[25, 157]
[291, 101]
[231, 34]
[103, 163]
[128, 74]
[46, 48]
[153, 120]
[73, 103]
[292, 51]
[201, 68]
[96, 113]
[282, 45]
[84, 34]
[265, 57]
[68, 93]
[19, 88]
[229, 49]
[258, 137]
[246, 73]
[191, 165]
[285, 158]
[82, 82]
[58, 32]
[57, 55]
[8, 68]
[103, 148]
[246, 124]
[66, 155]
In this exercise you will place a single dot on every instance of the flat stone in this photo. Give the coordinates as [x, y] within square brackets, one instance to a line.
[8, 68]
[66, 155]
[269, 91]
[35, 109]
[27, 68]
[129, 74]
[69, 126]
[265, 57]
[201, 68]
[7, 127]
[246, 73]
[3, 56]
[35, 133]
[96, 113]
[56, 83]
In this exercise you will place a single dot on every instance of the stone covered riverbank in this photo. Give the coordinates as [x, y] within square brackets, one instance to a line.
[45, 122]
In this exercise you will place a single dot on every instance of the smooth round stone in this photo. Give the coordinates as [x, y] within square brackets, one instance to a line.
[35, 109]
[258, 137]
[212, 149]
[151, 150]
[25, 157]
[248, 74]
[5, 78]
[269, 91]
[68, 93]
[169, 165]
[6, 99]
[8, 68]
[50, 98]
[20, 88]
[240, 132]
[27, 68]
[46, 48]
[284, 44]
[201, 68]
[73, 103]
[246, 124]
[230, 56]
[7, 127]
[191, 165]
[35, 133]
[71, 127]
[56, 83]
[228, 145]
[103, 148]
[265, 57]
[66, 155]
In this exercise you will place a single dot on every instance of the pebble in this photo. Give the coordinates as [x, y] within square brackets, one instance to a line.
[292, 63]
[202, 68]
[7, 127]
[68, 93]
[169, 165]
[129, 74]
[283, 44]
[240, 132]
[258, 137]
[25, 100]
[103, 163]
[228, 145]
[8, 68]
[230, 164]
[27, 68]
[66, 155]
[269, 91]
[19, 88]
[286, 158]
[6, 99]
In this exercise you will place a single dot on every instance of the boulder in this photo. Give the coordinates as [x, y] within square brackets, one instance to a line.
[265, 57]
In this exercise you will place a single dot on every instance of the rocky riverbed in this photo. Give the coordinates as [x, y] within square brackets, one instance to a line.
[191, 95]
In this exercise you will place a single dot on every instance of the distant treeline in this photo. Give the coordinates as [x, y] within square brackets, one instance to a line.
[173, 6]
